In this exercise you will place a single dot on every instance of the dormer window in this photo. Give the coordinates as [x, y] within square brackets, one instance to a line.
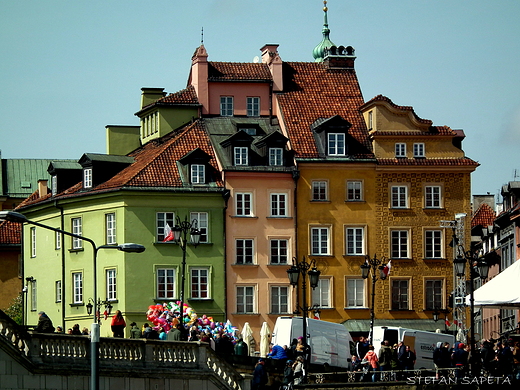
[240, 155]
[87, 178]
[198, 174]
[275, 156]
[226, 106]
[418, 150]
[54, 185]
[400, 150]
[248, 130]
[253, 106]
[336, 144]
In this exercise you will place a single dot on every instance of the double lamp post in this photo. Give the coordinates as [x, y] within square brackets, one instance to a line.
[16, 217]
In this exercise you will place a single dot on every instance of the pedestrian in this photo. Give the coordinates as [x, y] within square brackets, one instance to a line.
[372, 363]
[437, 359]
[241, 348]
[135, 332]
[84, 331]
[298, 370]
[260, 377]
[150, 333]
[288, 375]
[385, 356]
[355, 366]
[59, 329]
[409, 358]
[175, 333]
[362, 347]
[278, 352]
[459, 358]
[44, 323]
[118, 324]
[76, 331]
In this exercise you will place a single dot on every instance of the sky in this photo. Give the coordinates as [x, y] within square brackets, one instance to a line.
[70, 68]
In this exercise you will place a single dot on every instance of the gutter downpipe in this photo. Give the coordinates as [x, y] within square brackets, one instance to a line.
[63, 289]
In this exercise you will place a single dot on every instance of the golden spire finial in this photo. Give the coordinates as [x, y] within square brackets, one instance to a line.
[325, 6]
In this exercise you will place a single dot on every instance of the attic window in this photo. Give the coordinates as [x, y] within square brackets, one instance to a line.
[275, 156]
[418, 150]
[336, 144]
[240, 155]
[249, 130]
[198, 174]
[400, 150]
[54, 185]
[87, 178]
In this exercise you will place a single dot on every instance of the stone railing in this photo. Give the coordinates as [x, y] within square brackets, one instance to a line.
[147, 358]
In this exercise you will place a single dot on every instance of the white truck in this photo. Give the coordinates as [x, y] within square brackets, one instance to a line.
[330, 342]
[421, 342]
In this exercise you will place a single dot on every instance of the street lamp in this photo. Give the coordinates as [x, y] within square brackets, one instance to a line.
[14, 216]
[479, 267]
[305, 269]
[180, 233]
[373, 264]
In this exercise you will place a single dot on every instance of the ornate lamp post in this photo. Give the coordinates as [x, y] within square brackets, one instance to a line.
[479, 267]
[180, 233]
[305, 269]
[378, 272]
[94, 334]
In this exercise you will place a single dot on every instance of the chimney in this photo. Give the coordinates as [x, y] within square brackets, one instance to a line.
[271, 57]
[339, 57]
[199, 77]
[150, 95]
[43, 189]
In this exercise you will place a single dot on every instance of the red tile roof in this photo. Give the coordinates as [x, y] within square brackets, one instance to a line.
[185, 96]
[10, 233]
[311, 91]
[483, 216]
[464, 161]
[238, 71]
[155, 164]
[433, 130]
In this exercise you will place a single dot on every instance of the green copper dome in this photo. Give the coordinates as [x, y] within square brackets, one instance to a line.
[319, 51]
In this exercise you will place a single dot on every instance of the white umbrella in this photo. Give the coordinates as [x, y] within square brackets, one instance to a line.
[247, 336]
[265, 338]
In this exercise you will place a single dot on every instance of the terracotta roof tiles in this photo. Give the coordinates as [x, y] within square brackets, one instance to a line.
[312, 91]
[10, 233]
[464, 161]
[483, 216]
[238, 71]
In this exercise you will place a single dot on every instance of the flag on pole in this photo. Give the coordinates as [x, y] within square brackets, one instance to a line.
[386, 269]
[168, 233]
[447, 322]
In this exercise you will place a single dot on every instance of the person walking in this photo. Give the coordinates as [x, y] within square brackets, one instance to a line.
[372, 361]
[409, 358]
[460, 360]
[118, 324]
[44, 323]
[135, 332]
[288, 375]
[298, 370]
[259, 376]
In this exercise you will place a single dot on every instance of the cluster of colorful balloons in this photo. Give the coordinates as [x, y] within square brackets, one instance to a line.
[167, 316]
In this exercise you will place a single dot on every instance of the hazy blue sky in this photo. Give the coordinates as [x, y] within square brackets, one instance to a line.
[69, 68]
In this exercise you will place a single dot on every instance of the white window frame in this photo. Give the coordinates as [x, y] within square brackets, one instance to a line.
[198, 174]
[202, 219]
[319, 191]
[320, 240]
[275, 156]
[244, 204]
[200, 278]
[165, 276]
[244, 251]
[322, 294]
[111, 284]
[433, 294]
[110, 226]
[163, 218]
[399, 244]
[336, 144]
[355, 289]
[58, 291]
[370, 120]
[57, 240]
[253, 105]
[87, 178]
[399, 196]
[54, 185]
[354, 190]
[278, 251]
[77, 229]
[279, 299]
[402, 304]
[355, 240]
[278, 204]
[226, 106]
[33, 241]
[34, 296]
[432, 197]
[400, 150]
[246, 299]
[418, 149]
[240, 155]
[433, 243]
[77, 287]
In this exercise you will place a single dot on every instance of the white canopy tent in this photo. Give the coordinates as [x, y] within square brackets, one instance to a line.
[503, 291]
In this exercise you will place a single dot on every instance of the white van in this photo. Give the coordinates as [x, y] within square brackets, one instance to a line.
[421, 342]
[330, 343]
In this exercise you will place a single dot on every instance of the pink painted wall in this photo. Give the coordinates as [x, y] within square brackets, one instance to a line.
[239, 91]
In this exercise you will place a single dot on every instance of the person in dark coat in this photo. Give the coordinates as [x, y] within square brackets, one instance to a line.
[288, 375]
[241, 348]
[408, 358]
[460, 360]
[44, 323]
[259, 376]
